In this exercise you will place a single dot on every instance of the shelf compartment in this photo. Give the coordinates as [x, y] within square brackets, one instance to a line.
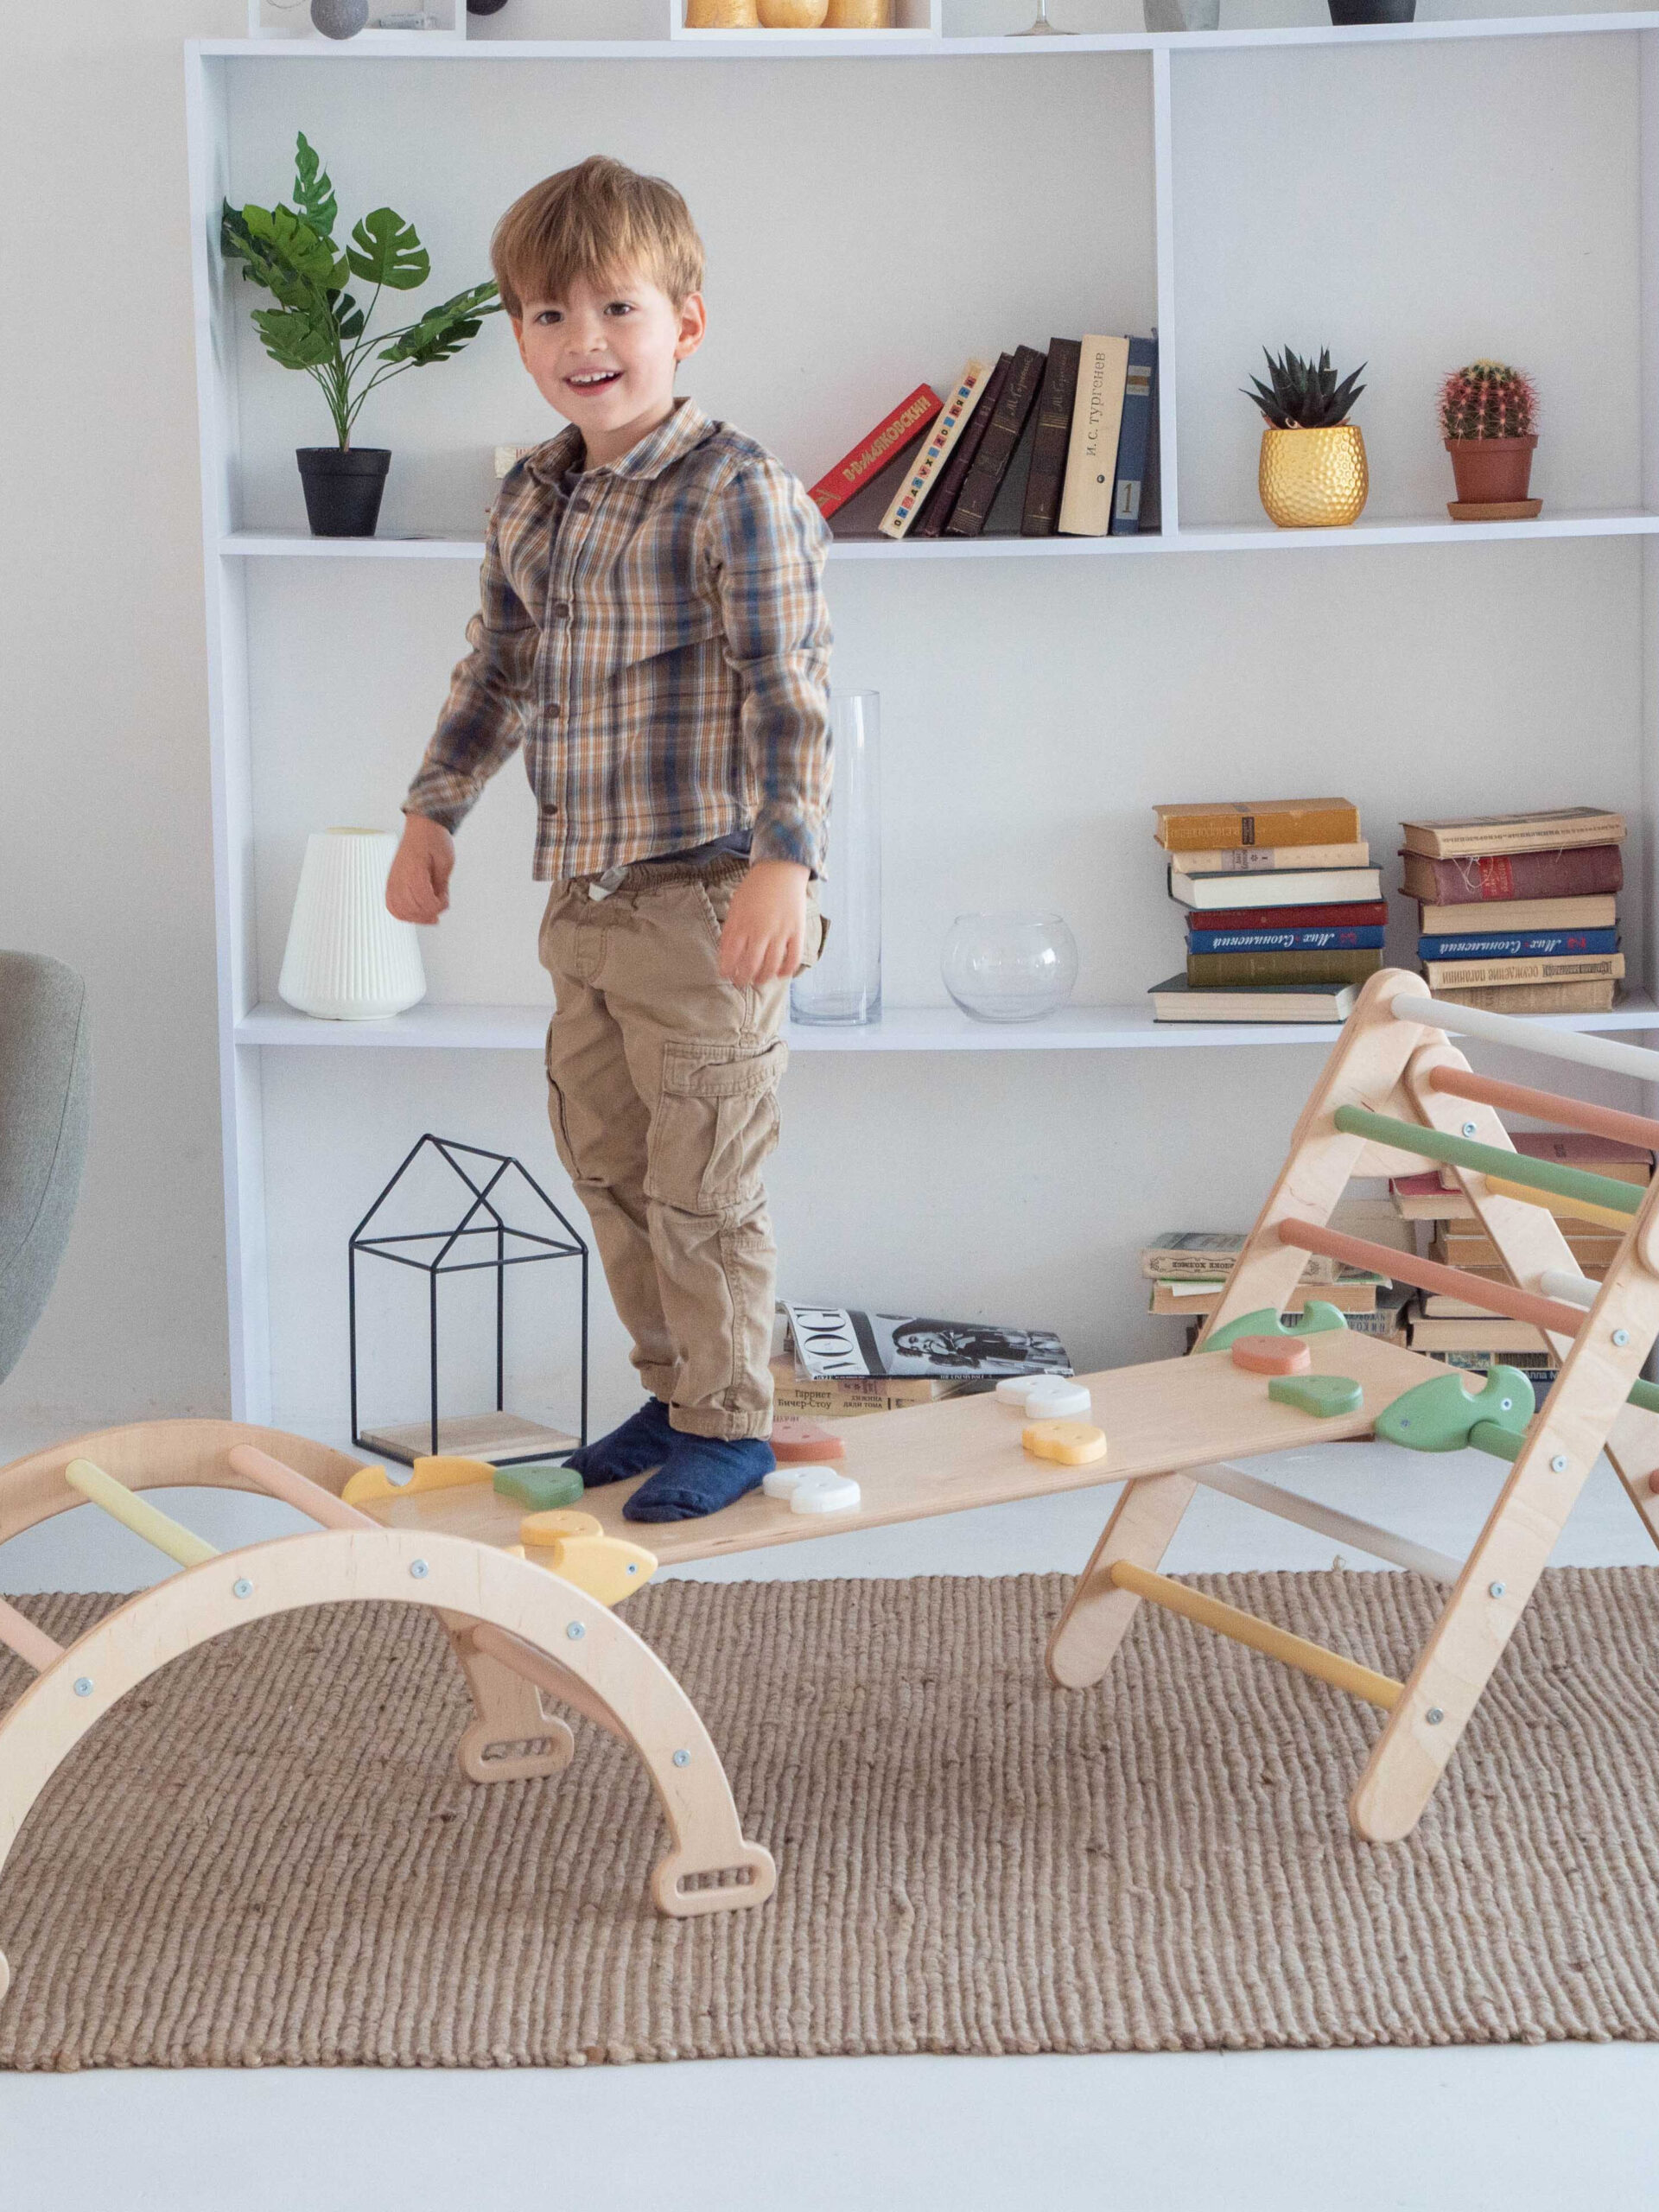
[902, 1029]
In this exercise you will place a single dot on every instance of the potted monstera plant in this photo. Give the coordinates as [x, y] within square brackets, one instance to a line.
[318, 325]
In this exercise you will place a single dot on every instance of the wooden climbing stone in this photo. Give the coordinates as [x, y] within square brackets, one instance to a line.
[1271, 1355]
[804, 1442]
[1325, 1396]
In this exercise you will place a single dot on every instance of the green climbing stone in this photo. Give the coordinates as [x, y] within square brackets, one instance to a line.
[1439, 1415]
[1326, 1396]
[1319, 1316]
[539, 1485]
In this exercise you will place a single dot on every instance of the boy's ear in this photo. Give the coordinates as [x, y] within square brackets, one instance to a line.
[693, 324]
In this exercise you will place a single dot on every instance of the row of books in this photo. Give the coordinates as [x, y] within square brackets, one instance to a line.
[1518, 913]
[1038, 443]
[1188, 1270]
[1285, 913]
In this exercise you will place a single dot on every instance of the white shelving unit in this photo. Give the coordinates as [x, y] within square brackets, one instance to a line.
[1280, 79]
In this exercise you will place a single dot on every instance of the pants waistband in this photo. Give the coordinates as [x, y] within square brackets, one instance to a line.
[642, 875]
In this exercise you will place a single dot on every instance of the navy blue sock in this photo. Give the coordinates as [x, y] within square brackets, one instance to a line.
[643, 1440]
[700, 1475]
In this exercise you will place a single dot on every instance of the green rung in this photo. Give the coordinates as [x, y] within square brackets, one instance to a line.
[1490, 1160]
[1441, 1415]
[1318, 1316]
[1645, 1395]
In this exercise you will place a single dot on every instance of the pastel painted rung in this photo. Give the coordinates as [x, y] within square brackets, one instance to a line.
[1504, 1186]
[1279, 1644]
[1622, 1199]
[145, 1520]
[33, 1645]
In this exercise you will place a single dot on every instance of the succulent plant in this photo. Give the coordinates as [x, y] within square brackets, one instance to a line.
[1304, 397]
[1487, 400]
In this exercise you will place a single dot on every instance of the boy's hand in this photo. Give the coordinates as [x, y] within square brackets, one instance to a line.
[417, 889]
[765, 932]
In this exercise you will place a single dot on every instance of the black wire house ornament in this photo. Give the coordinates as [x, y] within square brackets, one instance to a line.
[500, 1437]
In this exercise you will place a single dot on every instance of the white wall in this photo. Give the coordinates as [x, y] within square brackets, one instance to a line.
[1034, 713]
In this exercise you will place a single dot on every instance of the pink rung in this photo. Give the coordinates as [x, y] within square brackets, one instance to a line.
[1429, 1274]
[1546, 1106]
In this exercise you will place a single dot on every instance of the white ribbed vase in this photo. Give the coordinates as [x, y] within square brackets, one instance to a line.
[347, 959]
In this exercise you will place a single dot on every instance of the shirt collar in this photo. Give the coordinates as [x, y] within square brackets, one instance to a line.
[674, 436]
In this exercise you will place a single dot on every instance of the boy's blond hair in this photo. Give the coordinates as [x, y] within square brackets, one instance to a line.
[589, 224]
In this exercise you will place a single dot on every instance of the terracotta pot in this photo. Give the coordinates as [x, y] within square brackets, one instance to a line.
[1314, 479]
[793, 15]
[1491, 469]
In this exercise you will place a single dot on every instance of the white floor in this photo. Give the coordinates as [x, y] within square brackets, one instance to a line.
[1508, 2130]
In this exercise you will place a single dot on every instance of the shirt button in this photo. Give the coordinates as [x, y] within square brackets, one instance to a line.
[555, 708]
[561, 610]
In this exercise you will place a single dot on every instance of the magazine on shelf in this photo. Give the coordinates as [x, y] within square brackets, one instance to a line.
[831, 1340]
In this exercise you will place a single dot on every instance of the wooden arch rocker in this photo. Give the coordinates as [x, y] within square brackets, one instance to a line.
[520, 1632]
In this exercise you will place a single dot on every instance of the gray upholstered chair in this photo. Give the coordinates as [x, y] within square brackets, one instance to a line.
[45, 1107]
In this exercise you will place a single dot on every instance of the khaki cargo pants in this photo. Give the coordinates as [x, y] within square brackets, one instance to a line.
[661, 1091]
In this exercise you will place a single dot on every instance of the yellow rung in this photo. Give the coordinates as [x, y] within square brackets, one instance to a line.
[135, 1513]
[1260, 1635]
[1565, 1209]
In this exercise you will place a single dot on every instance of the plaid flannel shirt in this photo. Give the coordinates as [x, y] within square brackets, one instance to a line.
[656, 637]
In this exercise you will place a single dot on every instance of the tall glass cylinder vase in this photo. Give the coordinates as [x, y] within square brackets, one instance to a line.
[845, 985]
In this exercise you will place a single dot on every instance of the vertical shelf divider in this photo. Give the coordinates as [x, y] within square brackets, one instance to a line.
[230, 754]
[1163, 188]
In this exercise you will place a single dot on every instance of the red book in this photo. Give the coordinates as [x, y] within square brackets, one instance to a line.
[872, 455]
[1585, 872]
[1365, 914]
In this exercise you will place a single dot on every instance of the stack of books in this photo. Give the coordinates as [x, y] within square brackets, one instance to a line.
[1518, 911]
[1041, 442]
[1462, 1333]
[1188, 1269]
[1285, 913]
[837, 1361]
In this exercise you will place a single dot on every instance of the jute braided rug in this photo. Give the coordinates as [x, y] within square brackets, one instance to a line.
[267, 1856]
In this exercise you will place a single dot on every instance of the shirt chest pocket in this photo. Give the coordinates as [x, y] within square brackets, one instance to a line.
[715, 1123]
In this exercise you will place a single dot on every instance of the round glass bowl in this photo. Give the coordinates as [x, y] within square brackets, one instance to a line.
[1009, 967]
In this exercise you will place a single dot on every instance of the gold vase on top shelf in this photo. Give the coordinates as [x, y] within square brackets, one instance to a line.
[1314, 479]
[859, 16]
[793, 15]
[721, 16]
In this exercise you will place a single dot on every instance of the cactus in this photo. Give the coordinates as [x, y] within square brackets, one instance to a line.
[1304, 397]
[1487, 400]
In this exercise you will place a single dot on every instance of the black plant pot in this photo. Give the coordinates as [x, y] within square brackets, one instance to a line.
[343, 487]
[1373, 11]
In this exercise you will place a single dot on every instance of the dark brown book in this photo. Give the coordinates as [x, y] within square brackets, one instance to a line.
[861, 515]
[1054, 441]
[941, 501]
[996, 447]
[1580, 871]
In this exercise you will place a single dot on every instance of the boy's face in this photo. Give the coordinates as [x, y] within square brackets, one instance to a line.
[604, 357]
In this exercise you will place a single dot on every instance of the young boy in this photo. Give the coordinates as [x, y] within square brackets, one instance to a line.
[652, 629]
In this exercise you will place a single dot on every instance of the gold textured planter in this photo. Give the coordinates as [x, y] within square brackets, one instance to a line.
[721, 16]
[1314, 479]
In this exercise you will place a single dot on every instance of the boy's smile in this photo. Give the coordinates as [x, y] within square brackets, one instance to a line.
[604, 357]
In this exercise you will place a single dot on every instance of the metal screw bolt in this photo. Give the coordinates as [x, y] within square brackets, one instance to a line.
[84, 1686]
[681, 1758]
[1621, 1336]
[1469, 1129]
[1558, 1465]
[1504, 1404]
[242, 1588]
[632, 1569]
[1434, 1716]
[1495, 1590]
[419, 1568]
[575, 1631]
